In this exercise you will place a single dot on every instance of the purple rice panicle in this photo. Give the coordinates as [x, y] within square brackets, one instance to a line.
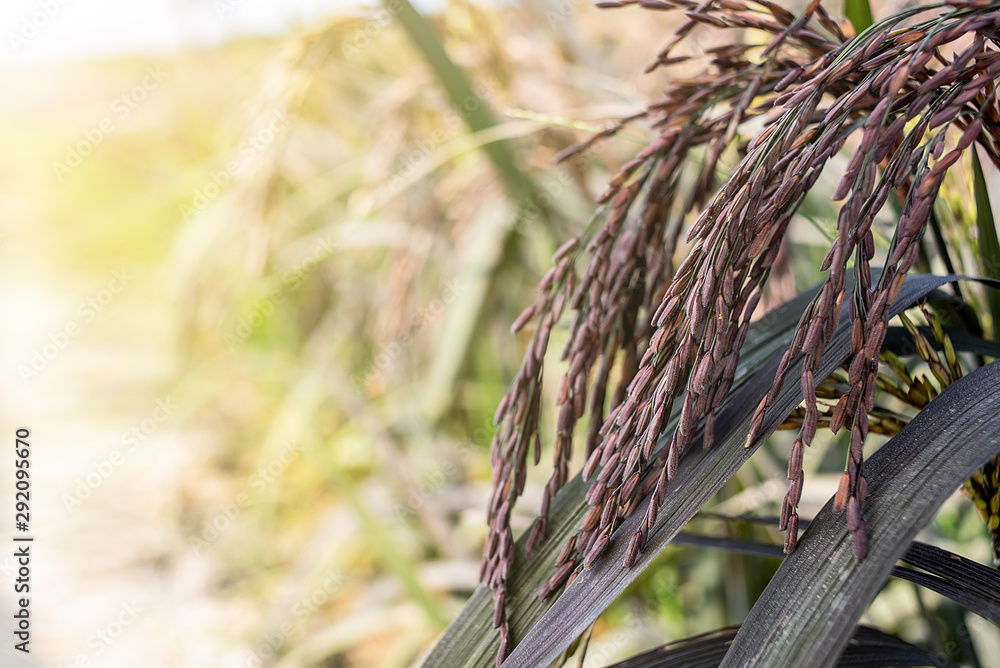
[673, 335]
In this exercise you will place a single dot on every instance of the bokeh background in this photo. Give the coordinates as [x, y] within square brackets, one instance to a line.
[259, 261]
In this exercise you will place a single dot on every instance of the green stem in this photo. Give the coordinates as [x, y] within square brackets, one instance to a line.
[989, 246]
[384, 548]
[859, 12]
[472, 108]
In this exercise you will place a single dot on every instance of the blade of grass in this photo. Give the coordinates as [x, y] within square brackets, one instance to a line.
[451, 354]
[989, 246]
[806, 614]
[465, 100]
[859, 13]
[970, 599]
[966, 572]
[869, 648]
[970, 584]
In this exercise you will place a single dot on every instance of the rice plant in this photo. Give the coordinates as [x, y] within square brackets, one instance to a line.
[671, 378]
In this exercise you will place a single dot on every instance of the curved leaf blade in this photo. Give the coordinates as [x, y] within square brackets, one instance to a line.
[966, 572]
[806, 614]
[869, 648]
[966, 582]
[970, 599]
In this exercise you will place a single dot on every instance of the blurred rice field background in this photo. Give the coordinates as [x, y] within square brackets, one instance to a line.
[258, 300]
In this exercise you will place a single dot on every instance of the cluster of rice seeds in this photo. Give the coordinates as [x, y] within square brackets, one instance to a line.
[984, 485]
[915, 390]
[726, 287]
[984, 489]
[881, 420]
[893, 378]
[617, 260]
[621, 486]
[517, 431]
[918, 391]
[674, 336]
[612, 314]
[907, 92]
